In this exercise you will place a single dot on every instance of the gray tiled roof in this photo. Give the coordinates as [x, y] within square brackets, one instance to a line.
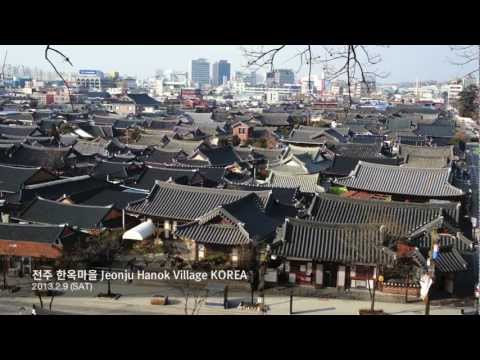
[307, 183]
[348, 244]
[459, 242]
[400, 180]
[450, 261]
[187, 146]
[48, 234]
[307, 135]
[400, 218]
[446, 262]
[183, 202]
[248, 214]
[215, 234]
[359, 150]
[426, 156]
[50, 212]
[12, 178]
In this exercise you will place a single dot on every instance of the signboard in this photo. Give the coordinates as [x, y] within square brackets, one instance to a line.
[90, 72]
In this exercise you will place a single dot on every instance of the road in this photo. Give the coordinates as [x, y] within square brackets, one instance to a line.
[135, 300]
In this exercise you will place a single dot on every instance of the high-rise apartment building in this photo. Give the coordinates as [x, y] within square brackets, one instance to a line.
[280, 77]
[200, 72]
[220, 72]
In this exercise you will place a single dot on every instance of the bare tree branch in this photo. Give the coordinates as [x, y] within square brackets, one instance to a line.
[349, 61]
[49, 48]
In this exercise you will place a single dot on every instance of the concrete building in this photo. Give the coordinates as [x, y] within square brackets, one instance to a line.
[220, 72]
[89, 79]
[280, 77]
[200, 72]
[454, 89]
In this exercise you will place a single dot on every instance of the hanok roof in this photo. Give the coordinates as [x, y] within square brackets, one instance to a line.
[458, 241]
[347, 244]
[188, 147]
[395, 123]
[21, 131]
[12, 178]
[92, 148]
[435, 130]
[108, 196]
[284, 195]
[58, 188]
[143, 100]
[426, 156]
[200, 118]
[306, 183]
[150, 174]
[163, 124]
[275, 119]
[412, 140]
[307, 135]
[400, 218]
[247, 224]
[450, 261]
[214, 234]
[50, 212]
[341, 134]
[112, 170]
[48, 157]
[106, 120]
[164, 156]
[367, 139]
[219, 156]
[447, 261]
[182, 202]
[359, 150]
[213, 175]
[37, 241]
[400, 180]
[246, 212]
[46, 234]
[343, 165]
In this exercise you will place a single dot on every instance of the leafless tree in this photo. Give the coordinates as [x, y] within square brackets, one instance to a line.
[66, 59]
[194, 296]
[466, 55]
[352, 62]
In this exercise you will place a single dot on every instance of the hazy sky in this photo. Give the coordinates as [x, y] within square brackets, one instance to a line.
[402, 62]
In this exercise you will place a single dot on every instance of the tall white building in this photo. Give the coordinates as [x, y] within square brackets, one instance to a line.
[454, 89]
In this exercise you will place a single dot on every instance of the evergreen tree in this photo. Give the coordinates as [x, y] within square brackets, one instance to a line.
[468, 102]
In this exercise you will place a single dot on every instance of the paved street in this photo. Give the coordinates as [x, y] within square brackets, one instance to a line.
[135, 300]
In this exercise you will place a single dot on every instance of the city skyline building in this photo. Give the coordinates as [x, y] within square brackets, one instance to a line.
[220, 72]
[200, 71]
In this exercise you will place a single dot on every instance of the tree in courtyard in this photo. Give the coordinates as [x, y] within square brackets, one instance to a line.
[468, 102]
[95, 251]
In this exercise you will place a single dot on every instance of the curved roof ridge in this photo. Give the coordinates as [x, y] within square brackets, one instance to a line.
[334, 225]
[387, 203]
[74, 205]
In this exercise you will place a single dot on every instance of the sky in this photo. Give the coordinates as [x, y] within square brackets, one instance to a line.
[400, 62]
